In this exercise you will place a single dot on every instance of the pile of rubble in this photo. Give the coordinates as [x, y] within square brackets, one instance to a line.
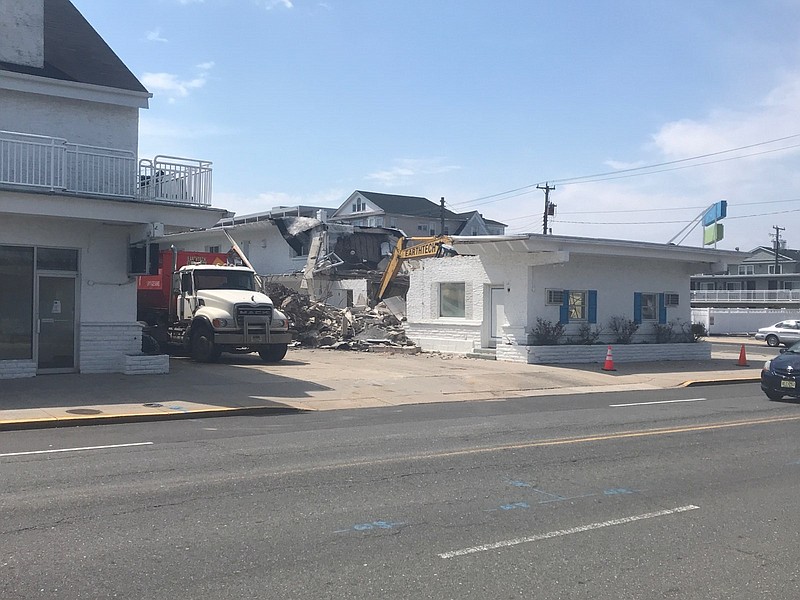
[317, 325]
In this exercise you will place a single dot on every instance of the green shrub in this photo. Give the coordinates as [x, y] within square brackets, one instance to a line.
[623, 329]
[547, 333]
[588, 335]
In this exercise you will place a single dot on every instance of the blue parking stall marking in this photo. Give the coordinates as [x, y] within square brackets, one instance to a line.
[511, 506]
[565, 498]
[520, 484]
[372, 525]
[618, 491]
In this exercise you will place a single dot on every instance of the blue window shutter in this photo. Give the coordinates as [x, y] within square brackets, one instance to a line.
[637, 307]
[662, 309]
[563, 316]
[592, 306]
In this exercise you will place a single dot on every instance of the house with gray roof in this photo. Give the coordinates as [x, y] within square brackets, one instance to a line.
[413, 215]
[78, 206]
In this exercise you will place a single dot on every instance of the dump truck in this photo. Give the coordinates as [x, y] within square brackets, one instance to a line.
[205, 304]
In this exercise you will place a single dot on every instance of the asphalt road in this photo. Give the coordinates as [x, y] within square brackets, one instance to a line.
[689, 493]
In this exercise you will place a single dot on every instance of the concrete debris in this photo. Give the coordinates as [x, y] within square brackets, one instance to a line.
[318, 325]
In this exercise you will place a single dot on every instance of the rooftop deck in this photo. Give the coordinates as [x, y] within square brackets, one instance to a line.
[41, 163]
[745, 297]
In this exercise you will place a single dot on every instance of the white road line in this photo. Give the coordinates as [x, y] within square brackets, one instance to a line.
[77, 449]
[563, 532]
[657, 402]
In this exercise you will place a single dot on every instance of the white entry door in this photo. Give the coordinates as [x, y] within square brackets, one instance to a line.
[497, 314]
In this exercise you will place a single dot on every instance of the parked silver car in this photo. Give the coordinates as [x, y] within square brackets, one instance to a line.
[785, 332]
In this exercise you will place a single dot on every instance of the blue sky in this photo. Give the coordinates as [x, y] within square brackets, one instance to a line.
[303, 102]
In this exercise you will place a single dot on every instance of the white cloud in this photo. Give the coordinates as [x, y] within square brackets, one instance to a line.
[270, 4]
[760, 183]
[406, 169]
[155, 36]
[173, 86]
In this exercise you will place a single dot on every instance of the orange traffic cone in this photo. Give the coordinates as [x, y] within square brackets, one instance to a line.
[742, 362]
[609, 364]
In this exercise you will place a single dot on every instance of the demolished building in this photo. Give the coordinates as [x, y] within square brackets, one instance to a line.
[345, 263]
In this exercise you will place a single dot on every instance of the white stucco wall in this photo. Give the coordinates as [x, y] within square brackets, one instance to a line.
[106, 303]
[77, 121]
[615, 280]
[22, 32]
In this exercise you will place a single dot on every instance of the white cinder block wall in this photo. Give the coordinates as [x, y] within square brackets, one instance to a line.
[424, 325]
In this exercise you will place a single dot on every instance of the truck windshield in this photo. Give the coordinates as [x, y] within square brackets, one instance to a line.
[217, 279]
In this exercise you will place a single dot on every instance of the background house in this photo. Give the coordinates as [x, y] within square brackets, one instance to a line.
[760, 289]
[493, 293]
[415, 216]
[74, 198]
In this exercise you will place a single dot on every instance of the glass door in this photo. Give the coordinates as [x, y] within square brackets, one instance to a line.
[56, 323]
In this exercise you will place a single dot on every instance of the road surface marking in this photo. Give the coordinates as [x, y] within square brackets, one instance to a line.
[658, 402]
[76, 449]
[563, 532]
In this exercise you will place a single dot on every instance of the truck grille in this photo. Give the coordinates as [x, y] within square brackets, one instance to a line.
[249, 310]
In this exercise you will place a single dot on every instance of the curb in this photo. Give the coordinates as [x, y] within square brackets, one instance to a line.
[702, 382]
[114, 419]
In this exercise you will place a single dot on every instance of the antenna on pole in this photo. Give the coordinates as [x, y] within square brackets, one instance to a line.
[549, 207]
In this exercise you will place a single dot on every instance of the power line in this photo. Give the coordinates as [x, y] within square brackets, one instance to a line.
[632, 172]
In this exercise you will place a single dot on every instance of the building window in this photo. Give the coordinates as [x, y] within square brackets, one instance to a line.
[649, 306]
[577, 305]
[747, 270]
[422, 227]
[16, 303]
[771, 269]
[57, 259]
[452, 300]
[214, 249]
[359, 205]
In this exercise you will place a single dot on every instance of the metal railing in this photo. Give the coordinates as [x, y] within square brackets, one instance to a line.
[175, 179]
[53, 164]
[759, 296]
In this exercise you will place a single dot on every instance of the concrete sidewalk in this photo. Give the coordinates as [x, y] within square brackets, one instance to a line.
[331, 380]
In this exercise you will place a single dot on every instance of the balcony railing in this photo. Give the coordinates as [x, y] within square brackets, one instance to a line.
[55, 165]
[740, 296]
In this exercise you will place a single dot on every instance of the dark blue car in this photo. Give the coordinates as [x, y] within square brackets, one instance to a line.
[781, 376]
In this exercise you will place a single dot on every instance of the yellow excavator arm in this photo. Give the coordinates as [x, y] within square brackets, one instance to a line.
[423, 247]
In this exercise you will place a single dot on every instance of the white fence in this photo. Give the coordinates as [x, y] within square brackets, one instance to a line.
[723, 321]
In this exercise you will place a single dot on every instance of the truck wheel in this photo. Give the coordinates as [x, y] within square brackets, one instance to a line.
[203, 348]
[273, 353]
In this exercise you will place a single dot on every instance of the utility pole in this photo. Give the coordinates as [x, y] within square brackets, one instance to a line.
[547, 204]
[441, 216]
[777, 244]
